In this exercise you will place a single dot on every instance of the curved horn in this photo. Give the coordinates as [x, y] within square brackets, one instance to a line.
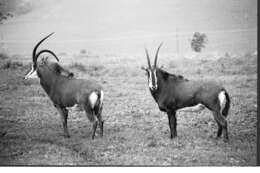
[35, 48]
[148, 59]
[47, 51]
[156, 56]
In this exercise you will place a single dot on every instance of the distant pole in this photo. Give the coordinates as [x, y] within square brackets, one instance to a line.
[177, 42]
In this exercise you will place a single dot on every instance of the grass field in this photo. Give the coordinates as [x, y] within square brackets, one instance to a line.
[136, 132]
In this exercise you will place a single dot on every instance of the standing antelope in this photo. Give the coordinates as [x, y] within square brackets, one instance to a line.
[172, 92]
[66, 91]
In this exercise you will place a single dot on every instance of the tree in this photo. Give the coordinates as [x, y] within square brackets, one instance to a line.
[3, 13]
[9, 8]
[4, 16]
[198, 41]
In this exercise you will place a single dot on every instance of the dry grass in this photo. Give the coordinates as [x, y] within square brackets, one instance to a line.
[136, 132]
[89, 70]
[11, 65]
[78, 66]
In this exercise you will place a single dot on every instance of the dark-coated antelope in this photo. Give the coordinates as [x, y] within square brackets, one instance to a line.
[66, 91]
[173, 92]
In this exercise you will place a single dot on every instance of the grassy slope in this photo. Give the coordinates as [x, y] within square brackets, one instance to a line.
[136, 132]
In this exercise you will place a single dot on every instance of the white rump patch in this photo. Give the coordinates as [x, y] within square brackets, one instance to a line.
[101, 97]
[222, 100]
[150, 83]
[31, 74]
[93, 99]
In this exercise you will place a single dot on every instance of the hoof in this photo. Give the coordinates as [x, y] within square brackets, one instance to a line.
[217, 137]
[66, 135]
[226, 140]
[173, 136]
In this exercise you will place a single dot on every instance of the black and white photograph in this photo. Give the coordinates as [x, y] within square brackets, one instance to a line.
[112, 83]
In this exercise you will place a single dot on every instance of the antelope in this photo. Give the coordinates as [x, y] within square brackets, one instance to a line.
[65, 91]
[174, 92]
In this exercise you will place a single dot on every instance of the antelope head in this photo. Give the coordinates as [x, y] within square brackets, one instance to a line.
[151, 71]
[33, 72]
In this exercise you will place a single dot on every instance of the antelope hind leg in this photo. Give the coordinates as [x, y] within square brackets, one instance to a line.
[100, 121]
[92, 118]
[222, 125]
[94, 128]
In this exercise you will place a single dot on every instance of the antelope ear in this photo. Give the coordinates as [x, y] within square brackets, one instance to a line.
[143, 68]
[44, 60]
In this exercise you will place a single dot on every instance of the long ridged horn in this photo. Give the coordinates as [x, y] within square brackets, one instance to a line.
[47, 51]
[34, 58]
[156, 56]
[148, 58]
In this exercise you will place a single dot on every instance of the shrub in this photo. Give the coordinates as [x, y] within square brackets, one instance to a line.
[83, 51]
[11, 65]
[198, 41]
[3, 56]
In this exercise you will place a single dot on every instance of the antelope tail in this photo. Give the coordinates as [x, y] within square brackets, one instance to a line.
[224, 101]
[99, 102]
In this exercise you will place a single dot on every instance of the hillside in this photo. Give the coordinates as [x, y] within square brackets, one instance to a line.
[125, 27]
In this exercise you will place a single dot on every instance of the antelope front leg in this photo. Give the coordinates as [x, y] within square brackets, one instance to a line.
[64, 116]
[101, 126]
[94, 121]
[172, 123]
[94, 128]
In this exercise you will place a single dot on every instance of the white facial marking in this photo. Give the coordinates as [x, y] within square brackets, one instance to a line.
[31, 74]
[155, 79]
[150, 81]
[93, 99]
[222, 100]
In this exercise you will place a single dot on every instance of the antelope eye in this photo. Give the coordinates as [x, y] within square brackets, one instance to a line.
[41, 62]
